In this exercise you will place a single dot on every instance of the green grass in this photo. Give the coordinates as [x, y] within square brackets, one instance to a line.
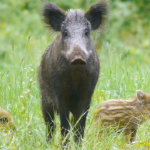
[124, 57]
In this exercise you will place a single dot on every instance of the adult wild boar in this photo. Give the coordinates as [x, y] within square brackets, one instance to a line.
[69, 68]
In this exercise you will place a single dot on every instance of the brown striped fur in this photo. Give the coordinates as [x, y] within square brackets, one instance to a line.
[124, 114]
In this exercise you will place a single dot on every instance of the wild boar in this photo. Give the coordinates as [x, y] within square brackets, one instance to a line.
[69, 68]
[124, 114]
[6, 120]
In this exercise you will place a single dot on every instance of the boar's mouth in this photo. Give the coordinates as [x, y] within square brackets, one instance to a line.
[78, 60]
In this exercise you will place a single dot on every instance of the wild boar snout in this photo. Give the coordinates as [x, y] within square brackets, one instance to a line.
[78, 60]
[78, 57]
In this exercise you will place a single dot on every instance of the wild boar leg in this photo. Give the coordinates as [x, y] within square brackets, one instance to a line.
[127, 134]
[133, 135]
[64, 118]
[48, 114]
[80, 122]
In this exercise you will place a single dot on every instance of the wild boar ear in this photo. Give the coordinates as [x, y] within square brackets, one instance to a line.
[97, 14]
[140, 95]
[53, 16]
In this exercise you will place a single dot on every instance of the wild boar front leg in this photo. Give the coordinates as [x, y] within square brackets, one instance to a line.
[64, 117]
[80, 119]
[48, 113]
[127, 134]
[133, 135]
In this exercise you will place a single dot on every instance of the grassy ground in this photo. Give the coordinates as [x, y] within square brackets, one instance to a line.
[124, 56]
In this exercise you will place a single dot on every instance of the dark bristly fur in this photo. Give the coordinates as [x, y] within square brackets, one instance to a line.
[52, 12]
[95, 9]
[69, 68]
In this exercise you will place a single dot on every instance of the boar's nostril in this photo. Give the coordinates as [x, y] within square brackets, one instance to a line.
[78, 61]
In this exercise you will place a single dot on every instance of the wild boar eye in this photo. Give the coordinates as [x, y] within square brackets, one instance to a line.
[86, 32]
[65, 33]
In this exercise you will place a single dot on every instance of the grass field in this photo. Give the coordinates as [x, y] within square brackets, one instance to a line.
[124, 53]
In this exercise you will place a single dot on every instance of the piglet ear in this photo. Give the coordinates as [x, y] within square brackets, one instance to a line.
[97, 14]
[53, 16]
[140, 95]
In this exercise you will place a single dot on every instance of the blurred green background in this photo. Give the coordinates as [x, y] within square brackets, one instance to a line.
[123, 49]
[21, 24]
